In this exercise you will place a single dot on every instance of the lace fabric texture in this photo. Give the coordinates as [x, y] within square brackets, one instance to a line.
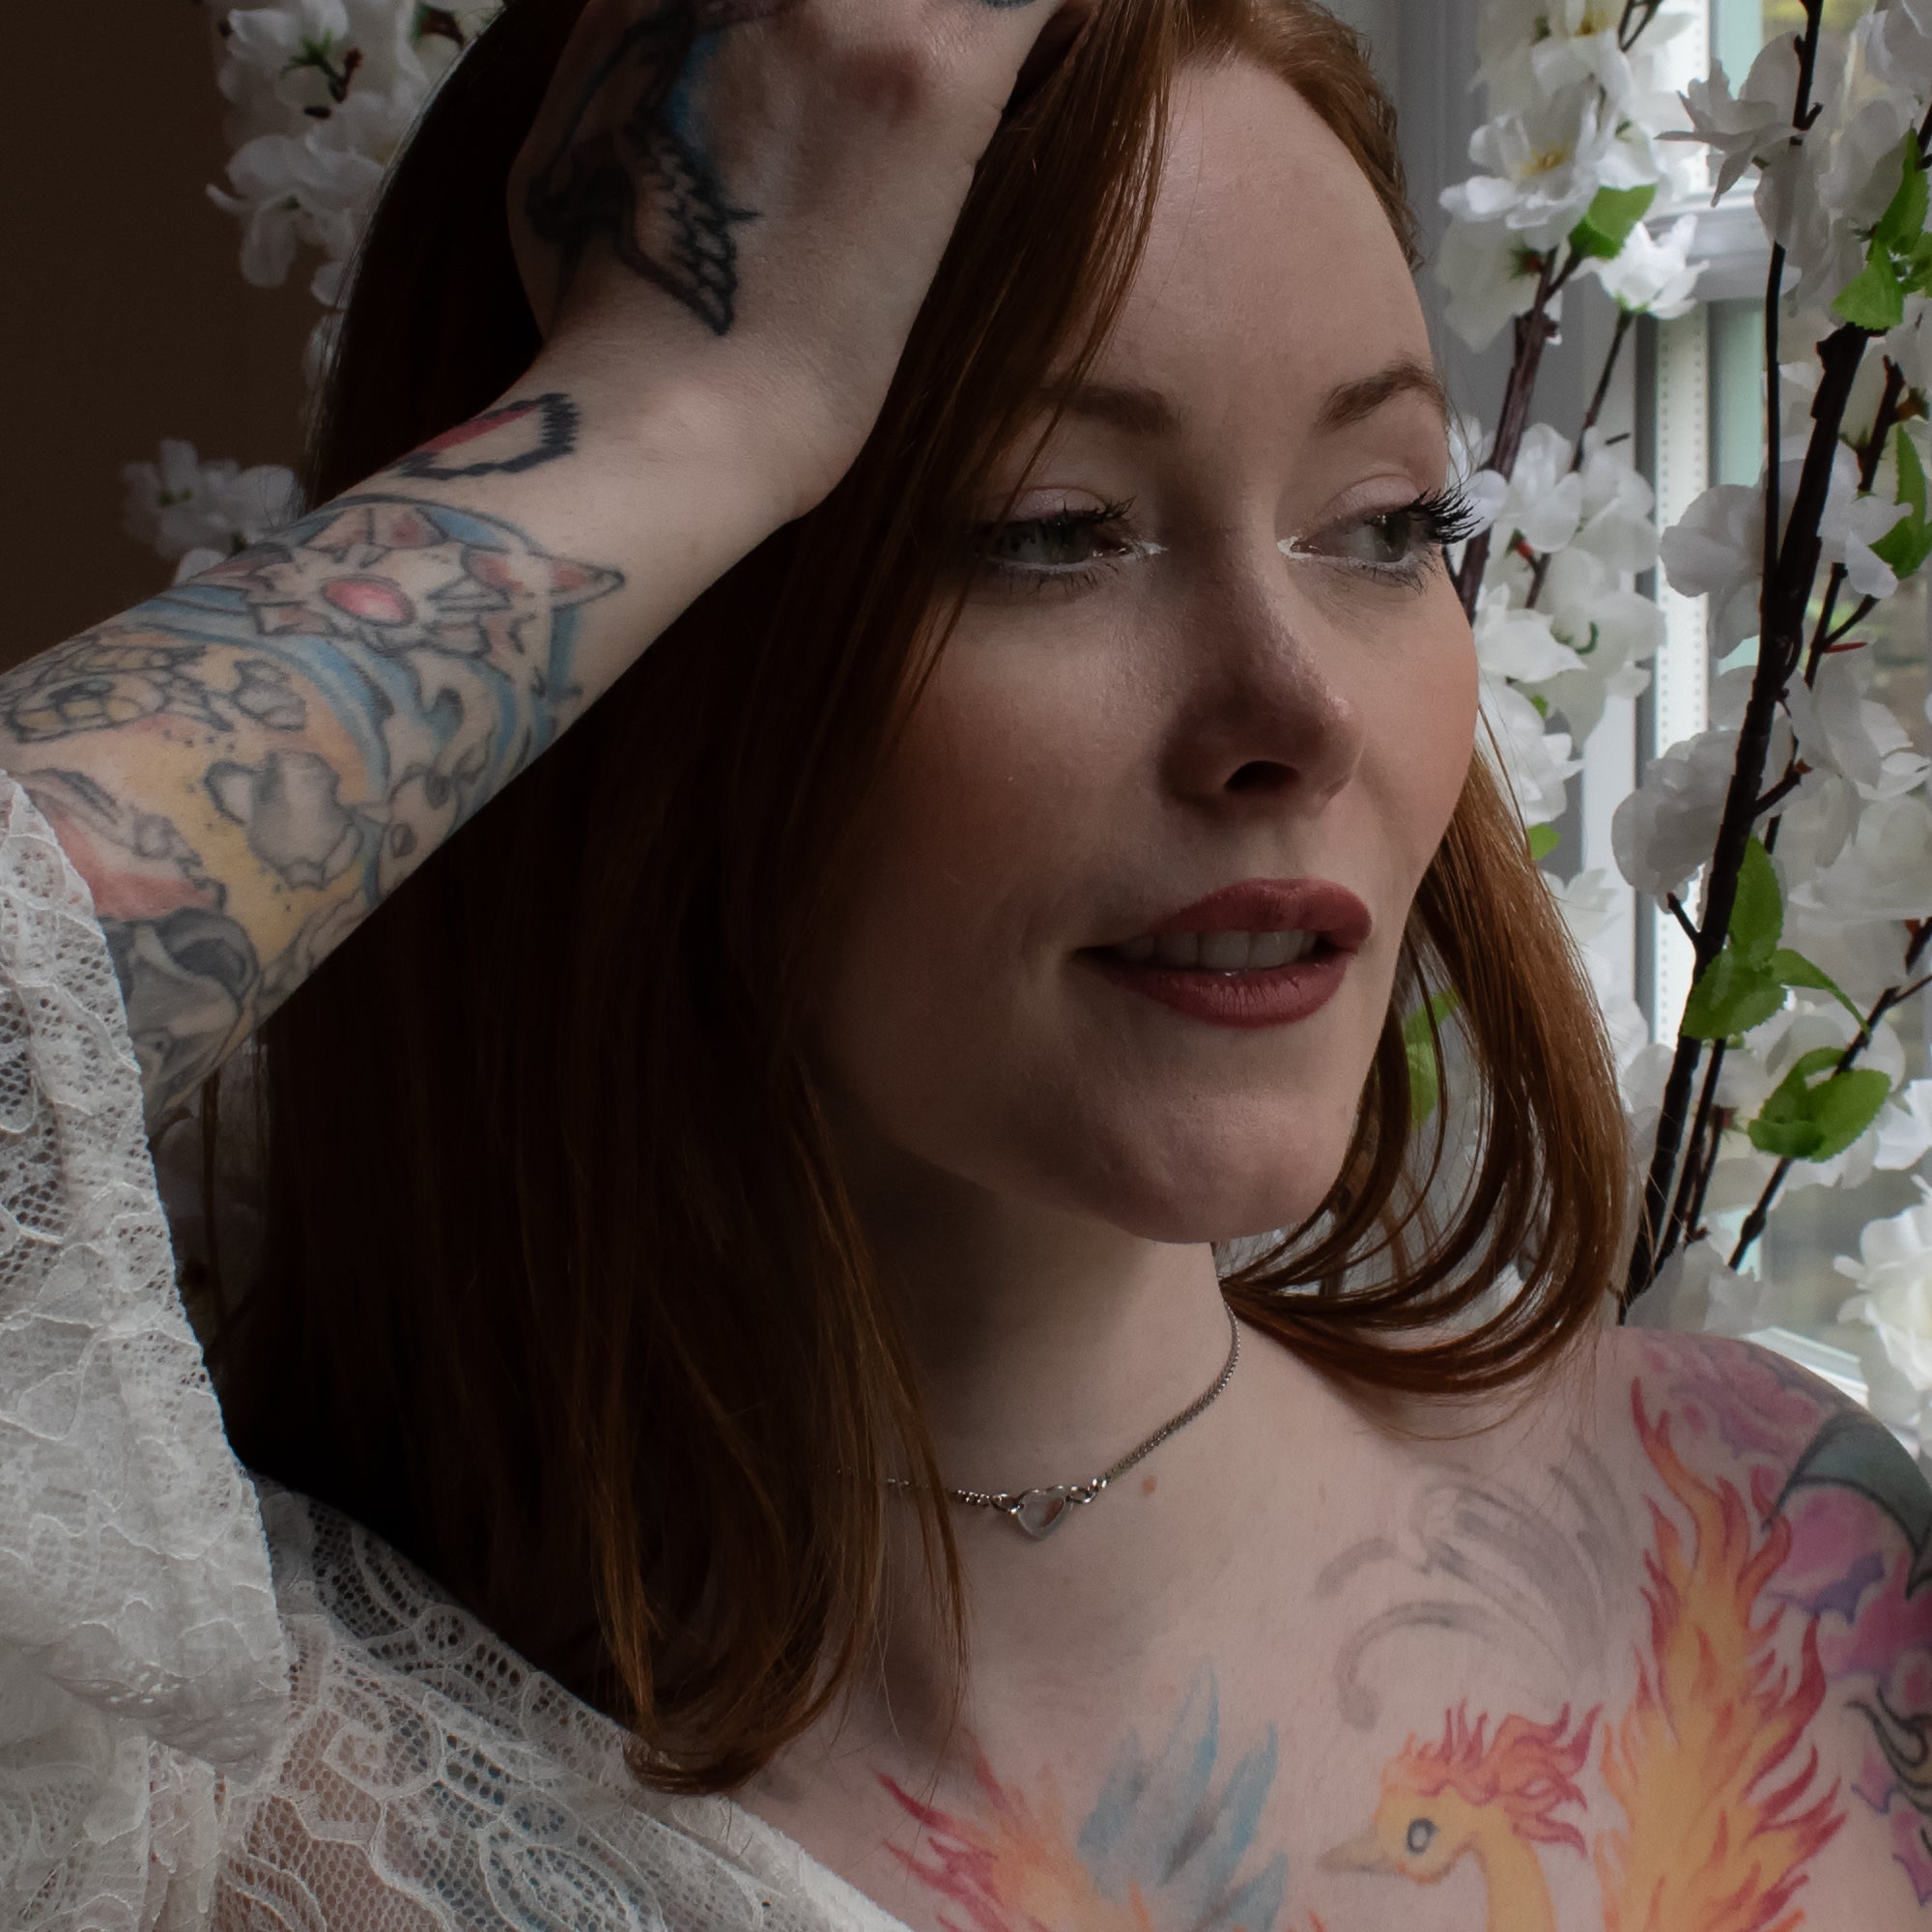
[222, 1705]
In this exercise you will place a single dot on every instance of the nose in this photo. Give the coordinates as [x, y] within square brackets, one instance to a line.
[1267, 697]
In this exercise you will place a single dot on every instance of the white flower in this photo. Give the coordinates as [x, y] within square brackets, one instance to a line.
[1517, 644]
[1716, 549]
[1544, 497]
[1909, 346]
[1905, 1126]
[1531, 47]
[1542, 167]
[323, 94]
[1864, 955]
[1650, 275]
[1490, 274]
[1746, 128]
[1894, 42]
[1886, 869]
[288, 51]
[1894, 1277]
[1851, 524]
[1697, 1291]
[1841, 729]
[1815, 195]
[1857, 171]
[1611, 632]
[1813, 824]
[1619, 508]
[1664, 830]
[289, 190]
[1533, 760]
[1589, 903]
[184, 507]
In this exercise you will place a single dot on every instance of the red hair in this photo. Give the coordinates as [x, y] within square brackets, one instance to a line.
[561, 1290]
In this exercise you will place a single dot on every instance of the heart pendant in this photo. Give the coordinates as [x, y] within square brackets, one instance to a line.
[1040, 1512]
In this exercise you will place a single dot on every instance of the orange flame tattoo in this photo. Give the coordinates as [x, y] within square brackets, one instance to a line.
[1703, 1763]
[1711, 1842]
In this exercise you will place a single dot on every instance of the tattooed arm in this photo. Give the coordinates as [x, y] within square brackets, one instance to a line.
[244, 766]
[728, 214]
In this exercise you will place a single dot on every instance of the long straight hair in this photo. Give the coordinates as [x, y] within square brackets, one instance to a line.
[561, 1290]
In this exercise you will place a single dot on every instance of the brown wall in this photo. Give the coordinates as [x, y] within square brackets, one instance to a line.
[125, 317]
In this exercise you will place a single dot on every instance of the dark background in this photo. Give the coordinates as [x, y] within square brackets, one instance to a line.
[126, 318]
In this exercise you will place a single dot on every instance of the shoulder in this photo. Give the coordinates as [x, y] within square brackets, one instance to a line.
[1793, 1531]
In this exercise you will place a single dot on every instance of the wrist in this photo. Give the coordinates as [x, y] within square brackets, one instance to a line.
[723, 445]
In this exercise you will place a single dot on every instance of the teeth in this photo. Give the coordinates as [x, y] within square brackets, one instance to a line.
[1277, 949]
[1224, 951]
[1218, 952]
[1177, 949]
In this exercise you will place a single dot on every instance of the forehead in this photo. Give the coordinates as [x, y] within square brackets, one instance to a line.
[1271, 275]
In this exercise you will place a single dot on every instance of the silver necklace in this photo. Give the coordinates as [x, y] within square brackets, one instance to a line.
[1040, 1512]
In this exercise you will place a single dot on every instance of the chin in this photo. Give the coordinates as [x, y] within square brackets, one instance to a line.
[1221, 1193]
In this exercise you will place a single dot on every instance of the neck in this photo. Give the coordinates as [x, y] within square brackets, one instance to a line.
[1048, 1347]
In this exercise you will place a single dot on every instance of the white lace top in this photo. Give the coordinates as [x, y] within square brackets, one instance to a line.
[222, 1705]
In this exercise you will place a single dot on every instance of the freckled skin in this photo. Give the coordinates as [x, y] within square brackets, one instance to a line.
[1083, 763]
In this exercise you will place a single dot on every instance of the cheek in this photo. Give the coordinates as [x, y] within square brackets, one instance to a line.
[941, 1001]
[1421, 730]
[955, 1017]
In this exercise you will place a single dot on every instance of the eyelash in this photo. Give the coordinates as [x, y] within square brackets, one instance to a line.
[1447, 517]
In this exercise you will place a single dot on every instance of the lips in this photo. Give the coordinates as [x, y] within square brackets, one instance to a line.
[1186, 960]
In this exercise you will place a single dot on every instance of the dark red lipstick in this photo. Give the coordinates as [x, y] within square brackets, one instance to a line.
[1239, 994]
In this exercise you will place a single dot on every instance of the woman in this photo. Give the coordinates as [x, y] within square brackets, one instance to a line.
[725, 1219]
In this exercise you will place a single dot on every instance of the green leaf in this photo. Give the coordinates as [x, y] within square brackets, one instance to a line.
[1784, 1125]
[1911, 471]
[1425, 1087]
[1915, 265]
[1844, 1106]
[1544, 840]
[1903, 221]
[1904, 547]
[1734, 995]
[1873, 299]
[1788, 1139]
[1757, 913]
[1608, 219]
[1793, 969]
[1800, 1121]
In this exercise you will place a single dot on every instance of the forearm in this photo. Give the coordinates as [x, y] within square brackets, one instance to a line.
[245, 766]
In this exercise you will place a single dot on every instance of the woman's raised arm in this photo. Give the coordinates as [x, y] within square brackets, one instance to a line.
[243, 767]
[726, 216]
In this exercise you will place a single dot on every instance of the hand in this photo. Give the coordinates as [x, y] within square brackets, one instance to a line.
[744, 202]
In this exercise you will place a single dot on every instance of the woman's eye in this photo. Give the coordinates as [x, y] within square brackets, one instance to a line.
[1399, 545]
[1065, 551]
[1386, 539]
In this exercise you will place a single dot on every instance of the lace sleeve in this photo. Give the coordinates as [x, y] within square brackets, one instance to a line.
[140, 1651]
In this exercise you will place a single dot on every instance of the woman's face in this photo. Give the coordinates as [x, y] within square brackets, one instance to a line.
[1118, 732]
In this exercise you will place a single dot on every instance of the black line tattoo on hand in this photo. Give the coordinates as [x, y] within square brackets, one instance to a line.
[502, 441]
[632, 165]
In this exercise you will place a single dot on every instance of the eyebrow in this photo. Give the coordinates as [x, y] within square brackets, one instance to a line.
[1351, 402]
[1138, 411]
